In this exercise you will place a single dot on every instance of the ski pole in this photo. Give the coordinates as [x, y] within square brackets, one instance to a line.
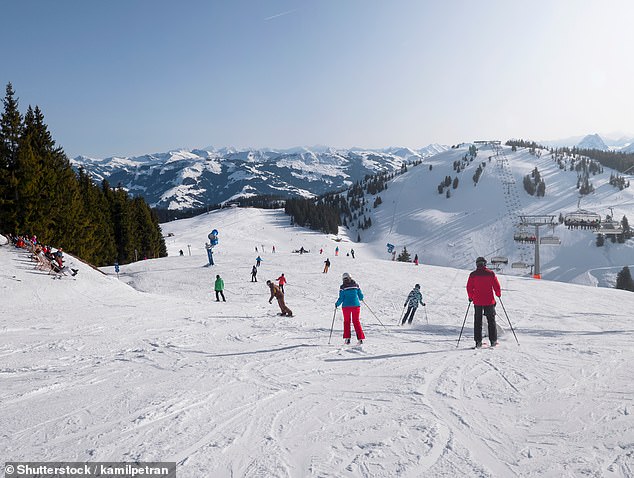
[426, 319]
[333, 325]
[509, 321]
[374, 314]
[463, 322]
[401, 317]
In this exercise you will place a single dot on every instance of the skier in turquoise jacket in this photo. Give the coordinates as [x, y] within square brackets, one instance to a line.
[350, 297]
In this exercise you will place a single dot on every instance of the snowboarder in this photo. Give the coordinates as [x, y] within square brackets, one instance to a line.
[412, 301]
[281, 280]
[279, 295]
[219, 286]
[326, 266]
[352, 253]
[258, 260]
[481, 285]
[350, 296]
[254, 273]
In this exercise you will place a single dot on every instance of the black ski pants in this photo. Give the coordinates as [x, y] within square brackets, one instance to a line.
[219, 292]
[409, 315]
[489, 311]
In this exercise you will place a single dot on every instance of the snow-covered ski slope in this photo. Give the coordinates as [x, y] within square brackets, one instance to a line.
[94, 369]
[479, 220]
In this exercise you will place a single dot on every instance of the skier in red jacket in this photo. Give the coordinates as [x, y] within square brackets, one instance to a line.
[481, 285]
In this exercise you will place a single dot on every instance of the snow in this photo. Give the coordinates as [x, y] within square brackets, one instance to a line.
[480, 220]
[149, 367]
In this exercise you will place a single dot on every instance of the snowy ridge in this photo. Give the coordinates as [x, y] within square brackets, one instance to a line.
[157, 370]
[184, 179]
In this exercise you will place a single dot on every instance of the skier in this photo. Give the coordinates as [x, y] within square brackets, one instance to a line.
[258, 260]
[412, 301]
[279, 295]
[350, 296]
[219, 286]
[180, 253]
[481, 285]
[254, 273]
[416, 259]
[273, 249]
[326, 266]
[321, 250]
[352, 253]
[281, 280]
[337, 251]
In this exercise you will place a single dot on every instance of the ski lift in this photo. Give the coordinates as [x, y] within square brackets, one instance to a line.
[499, 260]
[610, 227]
[582, 218]
[519, 265]
[550, 239]
[522, 236]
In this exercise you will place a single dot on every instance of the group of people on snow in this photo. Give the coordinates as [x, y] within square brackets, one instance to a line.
[482, 288]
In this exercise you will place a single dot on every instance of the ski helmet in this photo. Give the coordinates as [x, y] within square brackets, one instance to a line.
[481, 260]
[345, 276]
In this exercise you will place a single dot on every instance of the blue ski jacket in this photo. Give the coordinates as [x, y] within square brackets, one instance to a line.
[350, 295]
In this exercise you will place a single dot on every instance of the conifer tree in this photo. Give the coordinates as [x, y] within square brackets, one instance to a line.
[10, 132]
[624, 280]
[404, 256]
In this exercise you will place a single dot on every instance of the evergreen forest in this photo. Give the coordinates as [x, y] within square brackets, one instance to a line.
[41, 195]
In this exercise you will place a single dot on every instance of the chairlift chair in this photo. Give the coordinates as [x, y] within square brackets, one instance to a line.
[519, 265]
[499, 260]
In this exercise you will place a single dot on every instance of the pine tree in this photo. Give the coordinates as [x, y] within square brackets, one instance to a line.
[624, 280]
[404, 256]
[11, 127]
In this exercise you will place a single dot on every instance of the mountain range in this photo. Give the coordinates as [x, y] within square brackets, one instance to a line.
[182, 179]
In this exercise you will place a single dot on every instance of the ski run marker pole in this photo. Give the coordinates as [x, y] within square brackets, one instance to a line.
[463, 322]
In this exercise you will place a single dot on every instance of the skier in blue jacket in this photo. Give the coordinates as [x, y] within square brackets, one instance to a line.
[350, 297]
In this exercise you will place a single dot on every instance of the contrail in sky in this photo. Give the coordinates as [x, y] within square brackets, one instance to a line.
[280, 14]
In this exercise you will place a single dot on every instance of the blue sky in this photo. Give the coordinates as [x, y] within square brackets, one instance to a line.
[126, 77]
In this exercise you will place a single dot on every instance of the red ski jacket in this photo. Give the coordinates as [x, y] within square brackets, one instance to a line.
[481, 285]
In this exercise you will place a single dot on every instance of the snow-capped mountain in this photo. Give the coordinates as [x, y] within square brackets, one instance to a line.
[592, 141]
[613, 141]
[193, 178]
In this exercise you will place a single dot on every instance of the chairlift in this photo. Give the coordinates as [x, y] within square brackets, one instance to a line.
[550, 240]
[610, 228]
[499, 260]
[522, 236]
[519, 265]
[582, 218]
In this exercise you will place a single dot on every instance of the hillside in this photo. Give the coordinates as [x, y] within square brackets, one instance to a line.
[482, 219]
[97, 370]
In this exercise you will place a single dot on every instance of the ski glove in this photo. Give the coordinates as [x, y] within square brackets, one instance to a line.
[470, 299]
[424, 304]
